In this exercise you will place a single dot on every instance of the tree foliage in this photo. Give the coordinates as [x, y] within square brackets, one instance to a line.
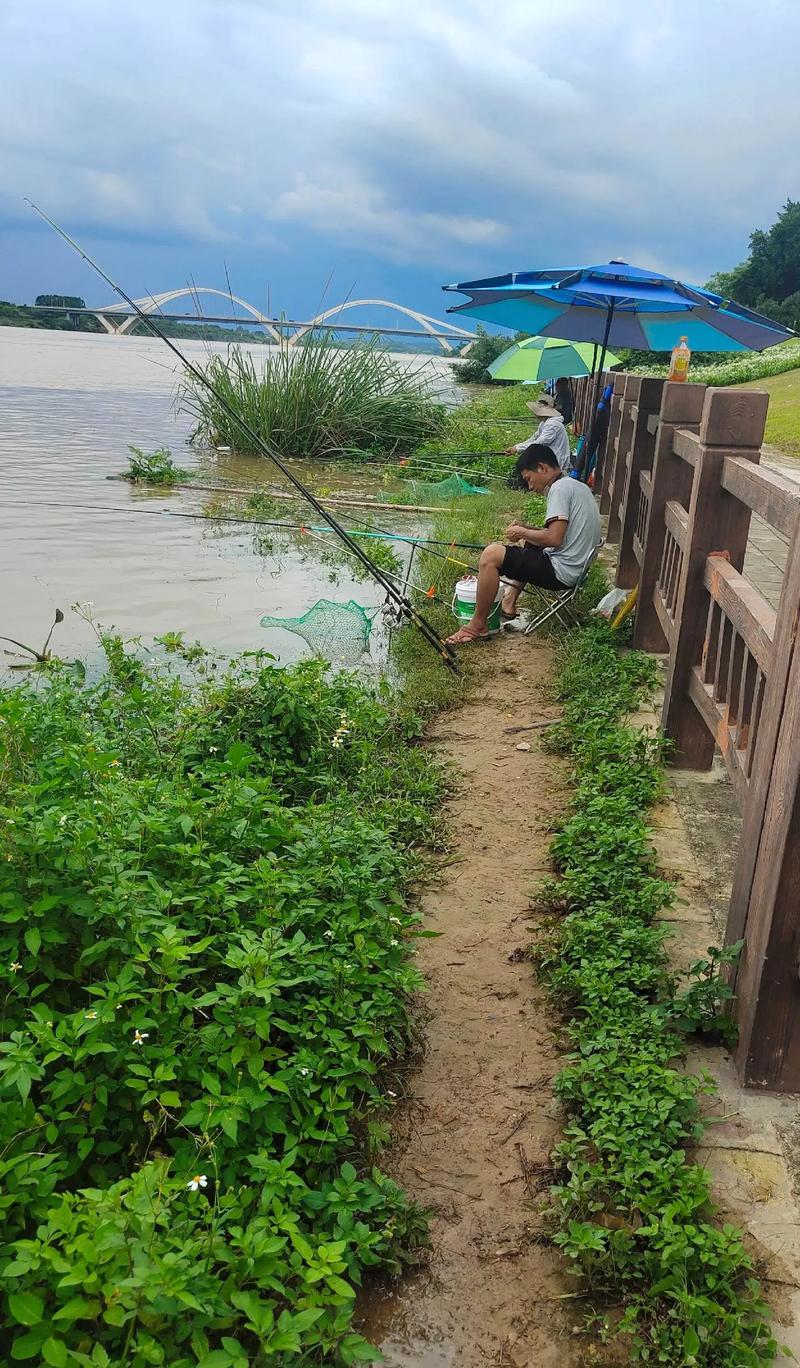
[769, 280]
[473, 370]
[57, 301]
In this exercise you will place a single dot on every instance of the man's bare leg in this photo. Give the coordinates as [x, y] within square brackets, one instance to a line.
[510, 598]
[488, 580]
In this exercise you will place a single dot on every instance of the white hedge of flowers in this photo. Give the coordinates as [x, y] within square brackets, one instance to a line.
[742, 367]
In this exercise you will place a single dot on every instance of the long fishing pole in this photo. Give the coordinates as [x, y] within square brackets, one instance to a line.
[446, 652]
[370, 531]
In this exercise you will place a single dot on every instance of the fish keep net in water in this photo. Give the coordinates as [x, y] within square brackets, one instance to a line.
[339, 632]
[451, 488]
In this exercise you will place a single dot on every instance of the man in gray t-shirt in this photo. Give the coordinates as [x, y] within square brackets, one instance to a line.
[553, 556]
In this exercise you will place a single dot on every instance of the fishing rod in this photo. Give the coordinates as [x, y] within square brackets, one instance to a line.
[403, 603]
[369, 529]
[311, 532]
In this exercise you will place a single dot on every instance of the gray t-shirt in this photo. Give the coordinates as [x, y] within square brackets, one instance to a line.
[574, 501]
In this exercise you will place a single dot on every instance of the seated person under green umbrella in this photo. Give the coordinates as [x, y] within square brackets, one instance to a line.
[550, 432]
[553, 556]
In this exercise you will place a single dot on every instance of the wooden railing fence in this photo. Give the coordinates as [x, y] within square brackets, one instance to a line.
[680, 481]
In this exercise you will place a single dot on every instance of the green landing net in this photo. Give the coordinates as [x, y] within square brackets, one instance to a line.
[451, 488]
[339, 632]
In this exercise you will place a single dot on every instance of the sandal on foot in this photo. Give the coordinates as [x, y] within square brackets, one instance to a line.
[465, 636]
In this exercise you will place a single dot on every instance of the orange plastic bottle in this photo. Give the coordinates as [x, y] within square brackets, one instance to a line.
[679, 362]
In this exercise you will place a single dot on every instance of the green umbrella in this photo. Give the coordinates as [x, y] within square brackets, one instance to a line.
[547, 358]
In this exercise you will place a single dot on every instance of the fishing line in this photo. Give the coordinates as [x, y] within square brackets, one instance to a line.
[311, 532]
[369, 529]
[404, 605]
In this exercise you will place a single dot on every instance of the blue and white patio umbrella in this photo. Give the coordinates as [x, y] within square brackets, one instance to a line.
[617, 305]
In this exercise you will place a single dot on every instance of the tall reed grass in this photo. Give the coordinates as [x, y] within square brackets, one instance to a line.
[315, 399]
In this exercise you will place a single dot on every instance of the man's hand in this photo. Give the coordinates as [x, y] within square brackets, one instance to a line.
[516, 532]
[511, 451]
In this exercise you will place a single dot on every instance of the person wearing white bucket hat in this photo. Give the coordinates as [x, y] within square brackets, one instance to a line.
[550, 432]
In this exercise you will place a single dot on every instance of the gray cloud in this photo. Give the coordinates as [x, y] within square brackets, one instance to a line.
[458, 137]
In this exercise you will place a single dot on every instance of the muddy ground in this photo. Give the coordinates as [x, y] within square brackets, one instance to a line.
[476, 1130]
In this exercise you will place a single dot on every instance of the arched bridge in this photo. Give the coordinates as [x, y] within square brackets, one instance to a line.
[447, 335]
[155, 303]
[431, 325]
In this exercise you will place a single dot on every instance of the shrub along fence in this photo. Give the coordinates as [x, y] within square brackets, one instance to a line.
[680, 482]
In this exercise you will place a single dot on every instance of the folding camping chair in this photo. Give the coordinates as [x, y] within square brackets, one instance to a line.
[558, 602]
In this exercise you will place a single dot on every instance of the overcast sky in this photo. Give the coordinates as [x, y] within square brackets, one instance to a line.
[390, 146]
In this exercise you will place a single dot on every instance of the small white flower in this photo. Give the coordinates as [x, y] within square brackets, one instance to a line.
[393, 941]
[62, 819]
[390, 1093]
[15, 967]
[328, 935]
[305, 1072]
[139, 1037]
[199, 1181]
[212, 750]
[91, 1016]
[336, 742]
[395, 921]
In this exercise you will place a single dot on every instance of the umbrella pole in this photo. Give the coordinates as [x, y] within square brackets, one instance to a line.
[590, 454]
[601, 363]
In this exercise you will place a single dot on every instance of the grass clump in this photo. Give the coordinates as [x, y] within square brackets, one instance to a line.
[205, 941]
[315, 399]
[483, 428]
[635, 1217]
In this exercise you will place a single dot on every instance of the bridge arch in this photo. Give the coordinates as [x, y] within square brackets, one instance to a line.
[431, 325]
[152, 303]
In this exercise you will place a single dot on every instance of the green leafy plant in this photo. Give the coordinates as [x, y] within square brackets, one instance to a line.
[153, 467]
[635, 1218]
[205, 946]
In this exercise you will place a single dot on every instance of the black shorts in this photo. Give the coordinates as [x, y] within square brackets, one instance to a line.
[531, 565]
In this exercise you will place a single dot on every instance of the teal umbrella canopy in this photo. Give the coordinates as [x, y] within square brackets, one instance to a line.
[617, 305]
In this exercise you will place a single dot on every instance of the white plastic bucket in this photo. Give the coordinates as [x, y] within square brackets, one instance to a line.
[464, 603]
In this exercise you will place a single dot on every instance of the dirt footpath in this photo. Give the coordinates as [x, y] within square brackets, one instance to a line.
[480, 1120]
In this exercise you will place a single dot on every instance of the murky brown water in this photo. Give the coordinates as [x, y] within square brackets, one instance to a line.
[69, 406]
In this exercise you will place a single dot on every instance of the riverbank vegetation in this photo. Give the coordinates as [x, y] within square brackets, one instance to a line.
[206, 940]
[634, 1214]
[208, 875]
[314, 400]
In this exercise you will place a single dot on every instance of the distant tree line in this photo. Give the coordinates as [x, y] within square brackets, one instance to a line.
[27, 316]
[769, 280]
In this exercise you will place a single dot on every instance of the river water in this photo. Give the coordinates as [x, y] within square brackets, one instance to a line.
[70, 404]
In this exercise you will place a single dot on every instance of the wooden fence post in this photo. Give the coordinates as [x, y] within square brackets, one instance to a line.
[604, 474]
[732, 424]
[681, 406]
[768, 982]
[645, 394]
[617, 457]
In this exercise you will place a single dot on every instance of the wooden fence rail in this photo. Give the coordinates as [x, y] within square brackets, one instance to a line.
[681, 481]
